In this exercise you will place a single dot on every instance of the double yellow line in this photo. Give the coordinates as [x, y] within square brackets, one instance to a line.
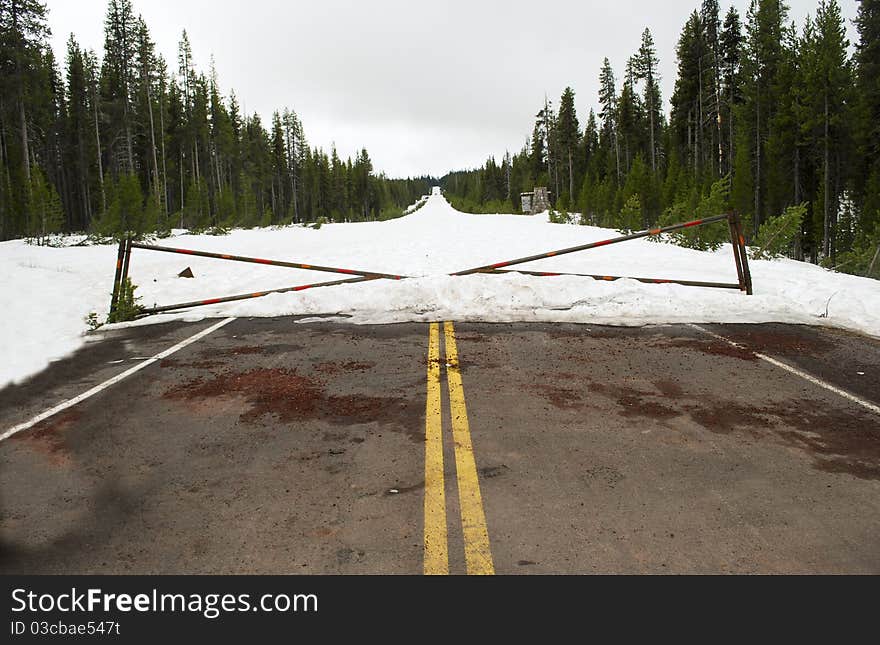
[478, 556]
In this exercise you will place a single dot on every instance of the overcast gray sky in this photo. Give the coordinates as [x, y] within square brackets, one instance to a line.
[426, 87]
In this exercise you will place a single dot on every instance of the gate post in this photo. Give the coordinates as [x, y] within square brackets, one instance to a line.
[117, 278]
[126, 262]
[747, 274]
[734, 245]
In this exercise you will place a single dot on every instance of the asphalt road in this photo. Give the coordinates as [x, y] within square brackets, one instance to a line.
[278, 446]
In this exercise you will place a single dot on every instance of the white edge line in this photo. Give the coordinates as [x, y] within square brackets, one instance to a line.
[788, 368]
[112, 381]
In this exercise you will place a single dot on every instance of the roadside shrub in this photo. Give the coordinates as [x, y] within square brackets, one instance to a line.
[92, 321]
[559, 217]
[630, 217]
[127, 307]
[776, 236]
[863, 259]
[702, 238]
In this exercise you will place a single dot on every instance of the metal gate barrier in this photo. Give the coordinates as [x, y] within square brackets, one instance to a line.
[737, 241]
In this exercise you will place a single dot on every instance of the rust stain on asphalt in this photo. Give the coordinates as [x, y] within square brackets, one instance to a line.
[199, 365]
[291, 397]
[349, 366]
[562, 397]
[474, 337]
[239, 351]
[782, 342]
[839, 440]
[48, 437]
[281, 392]
[723, 417]
[247, 350]
[635, 402]
[669, 389]
[842, 441]
[712, 347]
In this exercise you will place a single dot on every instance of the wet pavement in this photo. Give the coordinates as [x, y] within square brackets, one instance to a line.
[280, 446]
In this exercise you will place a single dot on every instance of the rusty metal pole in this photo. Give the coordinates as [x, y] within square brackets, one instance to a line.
[734, 245]
[610, 278]
[126, 262]
[593, 245]
[277, 263]
[744, 256]
[119, 259]
[212, 301]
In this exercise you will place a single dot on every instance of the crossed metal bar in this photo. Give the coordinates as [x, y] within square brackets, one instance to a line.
[736, 238]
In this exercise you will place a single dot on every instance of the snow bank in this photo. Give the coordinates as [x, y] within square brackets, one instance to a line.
[46, 293]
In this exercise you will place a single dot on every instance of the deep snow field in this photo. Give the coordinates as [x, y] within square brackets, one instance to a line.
[46, 293]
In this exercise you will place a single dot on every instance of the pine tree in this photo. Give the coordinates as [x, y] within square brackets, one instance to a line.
[763, 56]
[645, 67]
[568, 134]
[866, 173]
[608, 113]
[78, 142]
[24, 33]
[146, 83]
[362, 169]
[46, 205]
[537, 153]
[730, 46]
[829, 77]
[93, 81]
[296, 145]
[630, 118]
[630, 217]
[687, 100]
[280, 171]
[117, 82]
[710, 18]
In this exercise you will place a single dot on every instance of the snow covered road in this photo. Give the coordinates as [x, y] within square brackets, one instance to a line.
[46, 293]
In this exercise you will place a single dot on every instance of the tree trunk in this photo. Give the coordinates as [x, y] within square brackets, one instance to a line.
[182, 161]
[288, 140]
[730, 143]
[153, 141]
[25, 149]
[651, 121]
[757, 166]
[873, 262]
[826, 206]
[617, 153]
[718, 114]
[100, 162]
[691, 149]
[700, 111]
[83, 177]
[162, 140]
[217, 165]
[26, 164]
[128, 146]
[5, 224]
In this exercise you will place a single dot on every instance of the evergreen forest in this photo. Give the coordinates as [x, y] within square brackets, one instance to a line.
[130, 143]
[777, 121]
